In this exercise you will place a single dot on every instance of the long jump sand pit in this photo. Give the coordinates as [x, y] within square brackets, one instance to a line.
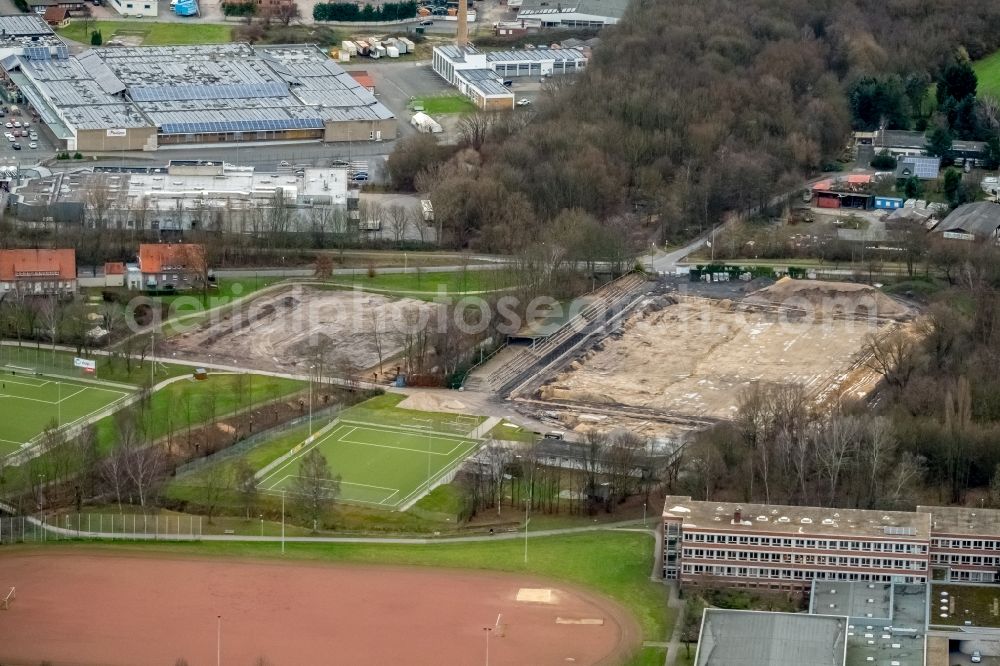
[297, 327]
[696, 356]
[75, 607]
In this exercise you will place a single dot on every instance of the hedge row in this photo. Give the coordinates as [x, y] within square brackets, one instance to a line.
[345, 11]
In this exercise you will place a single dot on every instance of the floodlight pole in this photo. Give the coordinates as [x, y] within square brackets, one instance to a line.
[218, 642]
[282, 522]
[59, 405]
[311, 400]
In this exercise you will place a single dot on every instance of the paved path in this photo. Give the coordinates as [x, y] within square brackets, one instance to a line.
[674, 601]
[416, 541]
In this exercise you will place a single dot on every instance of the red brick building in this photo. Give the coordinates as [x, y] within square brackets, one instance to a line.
[172, 266]
[38, 272]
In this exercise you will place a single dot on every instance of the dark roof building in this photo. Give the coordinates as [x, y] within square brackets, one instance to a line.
[975, 221]
[752, 638]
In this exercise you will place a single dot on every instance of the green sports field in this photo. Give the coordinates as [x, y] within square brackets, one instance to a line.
[29, 403]
[379, 465]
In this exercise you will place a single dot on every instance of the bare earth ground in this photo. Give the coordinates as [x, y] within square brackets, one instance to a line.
[78, 608]
[695, 357]
[285, 330]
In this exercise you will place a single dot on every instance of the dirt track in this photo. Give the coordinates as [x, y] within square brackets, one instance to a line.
[288, 330]
[74, 607]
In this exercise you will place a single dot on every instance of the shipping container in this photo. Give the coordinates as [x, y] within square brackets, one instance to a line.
[888, 203]
[410, 46]
[827, 202]
[350, 47]
[392, 51]
[363, 47]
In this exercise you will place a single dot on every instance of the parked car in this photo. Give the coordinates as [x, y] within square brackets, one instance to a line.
[17, 123]
[523, 102]
[284, 163]
[977, 658]
[9, 125]
[427, 22]
[33, 145]
[360, 177]
[16, 146]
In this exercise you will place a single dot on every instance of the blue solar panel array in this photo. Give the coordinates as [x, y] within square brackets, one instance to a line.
[241, 126]
[225, 91]
[62, 52]
[36, 52]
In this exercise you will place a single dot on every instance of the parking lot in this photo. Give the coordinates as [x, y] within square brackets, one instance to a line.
[43, 149]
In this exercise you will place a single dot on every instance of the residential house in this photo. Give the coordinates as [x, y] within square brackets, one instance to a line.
[38, 272]
[57, 16]
[172, 266]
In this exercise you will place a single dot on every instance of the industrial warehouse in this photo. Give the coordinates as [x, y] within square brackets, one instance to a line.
[142, 98]
[481, 76]
[185, 195]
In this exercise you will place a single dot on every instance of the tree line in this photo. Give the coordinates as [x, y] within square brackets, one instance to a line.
[350, 12]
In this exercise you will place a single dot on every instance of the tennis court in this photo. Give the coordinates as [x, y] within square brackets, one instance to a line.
[379, 465]
[29, 403]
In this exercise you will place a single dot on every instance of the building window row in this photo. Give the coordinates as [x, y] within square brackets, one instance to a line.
[973, 560]
[966, 544]
[789, 574]
[819, 544]
[805, 559]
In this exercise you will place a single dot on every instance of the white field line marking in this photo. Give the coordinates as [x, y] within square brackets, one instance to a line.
[274, 488]
[409, 430]
[438, 474]
[40, 383]
[67, 397]
[301, 453]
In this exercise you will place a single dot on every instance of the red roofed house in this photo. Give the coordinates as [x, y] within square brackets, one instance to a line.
[38, 272]
[114, 274]
[366, 81]
[172, 266]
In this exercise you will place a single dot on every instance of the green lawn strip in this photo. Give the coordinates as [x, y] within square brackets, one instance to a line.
[988, 74]
[34, 403]
[225, 292]
[59, 362]
[445, 499]
[445, 104]
[153, 34]
[616, 564]
[450, 283]
[170, 405]
[505, 430]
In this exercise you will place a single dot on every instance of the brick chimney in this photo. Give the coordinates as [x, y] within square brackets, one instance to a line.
[737, 517]
[462, 33]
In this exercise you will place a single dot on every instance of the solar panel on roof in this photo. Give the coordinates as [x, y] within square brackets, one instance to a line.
[62, 52]
[219, 91]
[241, 125]
[36, 52]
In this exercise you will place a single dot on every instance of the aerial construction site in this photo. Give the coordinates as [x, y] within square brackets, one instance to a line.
[675, 362]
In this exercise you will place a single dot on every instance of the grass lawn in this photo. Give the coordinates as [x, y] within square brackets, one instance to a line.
[225, 291]
[429, 284]
[446, 104]
[616, 564]
[184, 401]
[153, 34]
[979, 604]
[378, 465]
[505, 430]
[31, 403]
[988, 73]
[47, 361]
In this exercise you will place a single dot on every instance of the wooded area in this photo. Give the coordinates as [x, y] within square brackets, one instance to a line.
[692, 110]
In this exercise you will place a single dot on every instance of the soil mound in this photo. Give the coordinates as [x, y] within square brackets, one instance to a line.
[817, 296]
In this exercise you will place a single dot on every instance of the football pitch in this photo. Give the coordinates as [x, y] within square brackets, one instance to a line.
[29, 403]
[379, 465]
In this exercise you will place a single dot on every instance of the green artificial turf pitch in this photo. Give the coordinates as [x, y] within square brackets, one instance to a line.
[29, 403]
[379, 465]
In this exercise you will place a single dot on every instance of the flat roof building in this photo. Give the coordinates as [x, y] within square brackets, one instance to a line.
[578, 14]
[787, 547]
[140, 98]
[480, 76]
[187, 195]
[752, 638]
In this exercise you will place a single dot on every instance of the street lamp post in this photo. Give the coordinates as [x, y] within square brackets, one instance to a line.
[282, 522]
[218, 641]
[488, 631]
[262, 524]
